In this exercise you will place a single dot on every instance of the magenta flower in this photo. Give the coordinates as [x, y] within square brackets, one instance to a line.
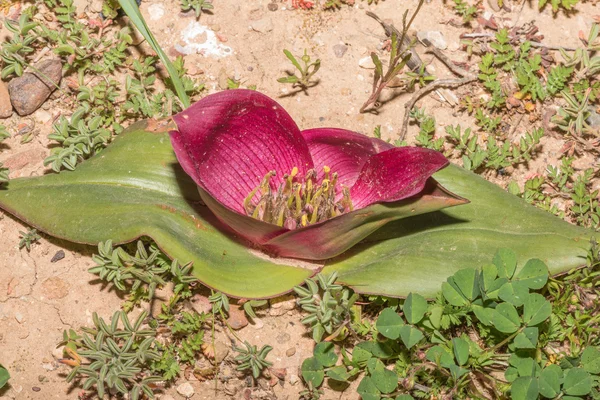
[305, 194]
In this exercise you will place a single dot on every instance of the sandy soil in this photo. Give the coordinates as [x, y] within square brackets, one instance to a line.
[39, 298]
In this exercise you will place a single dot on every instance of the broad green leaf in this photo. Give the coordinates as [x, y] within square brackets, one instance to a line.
[527, 339]
[489, 272]
[506, 318]
[484, 313]
[389, 323]
[526, 366]
[550, 381]
[149, 195]
[410, 336]
[461, 350]
[435, 316]
[415, 307]
[324, 352]
[534, 274]
[524, 388]
[505, 261]
[514, 292]
[467, 281]
[457, 372]
[360, 356]
[578, 382]
[312, 371]
[367, 389]
[4, 376]
[536, 309]
[385, 380]
[381, 350]
[339, 373]
[452, 294]
[440, 355]
[590, 360]
[431, 247]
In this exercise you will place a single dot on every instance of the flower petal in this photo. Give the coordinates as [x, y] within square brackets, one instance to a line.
[332, 237]
[227, 142]
[345, 152]
[395, 174]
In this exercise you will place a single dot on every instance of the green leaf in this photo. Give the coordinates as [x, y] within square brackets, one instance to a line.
[405, 397]
[527, 339]
[339, 373]
[506, 318]
[385, 380]
[461, 350]
[452, 294]
[389, 323]
[132, 10]
[578, 382]
[431, 247]
[4, 376]
[534, 274]
[149, 195]
[467, 282]
[550, 381]
[484, 313]
[590, 360]
[360, 355]
[410, 336]
[415, 307]
[506, 262]
[440, 355]
[536, 309]
[524, 388]
[367, 389]
[312, 372]
[324, 352]
[514, 292]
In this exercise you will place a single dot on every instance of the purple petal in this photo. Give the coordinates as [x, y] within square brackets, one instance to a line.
[345, 152]
[332, 237]
[228, 141]
[395, 174]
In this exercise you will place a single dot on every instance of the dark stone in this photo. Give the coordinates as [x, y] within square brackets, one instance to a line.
[29, 91]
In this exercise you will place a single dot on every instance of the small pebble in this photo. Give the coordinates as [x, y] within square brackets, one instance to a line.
[339, 50]
[366, 63]
[36, 389]
[434, 37]
[294, 379]
[19, 317]
[290, 352]
[58, 256]
[186, 390]
[272, 6]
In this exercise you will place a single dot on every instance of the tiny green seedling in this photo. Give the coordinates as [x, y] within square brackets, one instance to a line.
[199, 6]
[28, 238]
[252, 359]
[307, 71]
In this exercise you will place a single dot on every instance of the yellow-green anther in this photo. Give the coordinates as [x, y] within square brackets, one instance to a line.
[298, 199]
[304, 220]
[296, 203]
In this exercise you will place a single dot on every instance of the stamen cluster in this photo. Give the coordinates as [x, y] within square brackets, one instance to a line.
[298, 202]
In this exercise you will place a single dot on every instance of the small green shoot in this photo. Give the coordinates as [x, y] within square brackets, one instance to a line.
[28, 238]
[251, 359]
[307, 70]
[199, 6]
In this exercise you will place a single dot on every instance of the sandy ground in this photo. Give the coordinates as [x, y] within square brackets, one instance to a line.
[39, 298]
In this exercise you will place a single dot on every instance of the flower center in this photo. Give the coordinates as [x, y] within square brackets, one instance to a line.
[298, 202]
